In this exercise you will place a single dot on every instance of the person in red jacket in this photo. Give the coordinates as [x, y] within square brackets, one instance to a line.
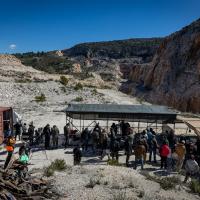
[164, 152]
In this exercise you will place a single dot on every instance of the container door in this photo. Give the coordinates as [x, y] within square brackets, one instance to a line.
[1, 128]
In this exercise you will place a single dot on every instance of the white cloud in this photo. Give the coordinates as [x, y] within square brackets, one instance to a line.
[12, 46]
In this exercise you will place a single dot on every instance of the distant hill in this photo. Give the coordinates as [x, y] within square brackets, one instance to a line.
[118, 49]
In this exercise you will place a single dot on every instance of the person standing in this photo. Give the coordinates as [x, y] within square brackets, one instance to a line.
[164, 152]
[128, 147]
[77, 155]
[47, 133]
[17, 127]
[140, 154]
[10, 145]
[153, 148]
[66, 134]
[180, 150]
[31, 133]
[55, 135]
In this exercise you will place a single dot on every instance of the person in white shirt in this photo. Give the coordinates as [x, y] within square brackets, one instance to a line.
[191, 167]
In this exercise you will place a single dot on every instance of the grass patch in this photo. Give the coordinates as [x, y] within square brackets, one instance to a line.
[23, 80]
[57, 165]
[63, 89]
[94, 92]
[114, 163]
[166, 183]
[120, 195]
[78, 86]
[48, 171]
[93, 181]
[64, 80]
[78, 99]
[40, 98]
[195, 186]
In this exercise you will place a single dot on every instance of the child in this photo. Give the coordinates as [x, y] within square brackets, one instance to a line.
[77, 155]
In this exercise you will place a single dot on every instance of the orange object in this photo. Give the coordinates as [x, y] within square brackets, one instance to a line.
[9, 148]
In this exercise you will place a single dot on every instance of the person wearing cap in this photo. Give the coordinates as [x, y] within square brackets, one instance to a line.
[180, 150]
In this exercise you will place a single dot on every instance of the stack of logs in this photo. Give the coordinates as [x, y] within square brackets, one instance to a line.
[16, 183]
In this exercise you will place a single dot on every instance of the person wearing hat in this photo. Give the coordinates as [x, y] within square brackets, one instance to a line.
[180, 150]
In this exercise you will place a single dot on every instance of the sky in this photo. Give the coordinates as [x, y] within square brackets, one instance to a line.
[44, 25]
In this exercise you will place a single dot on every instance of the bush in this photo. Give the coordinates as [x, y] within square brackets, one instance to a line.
[78, 99]
[165, 183]
[93, 181]
[57, 165]
[64, 80]
[78, 86]
[48, 171]
[195, 186]
[40, 98]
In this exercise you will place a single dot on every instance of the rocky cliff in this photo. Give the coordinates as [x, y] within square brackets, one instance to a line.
[173, 77]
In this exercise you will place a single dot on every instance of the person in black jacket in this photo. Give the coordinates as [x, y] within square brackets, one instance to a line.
[47, 134]
[77, 155]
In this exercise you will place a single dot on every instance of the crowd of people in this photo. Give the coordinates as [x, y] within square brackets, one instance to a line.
[175, 153]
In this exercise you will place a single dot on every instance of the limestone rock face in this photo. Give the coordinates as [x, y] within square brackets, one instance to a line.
[173, 77]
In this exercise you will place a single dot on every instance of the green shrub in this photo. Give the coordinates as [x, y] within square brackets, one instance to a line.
[78, 86]
[58, 165]
[195, 186]
[40, 98]
[64, 80]
[78, 99]
[48, 171]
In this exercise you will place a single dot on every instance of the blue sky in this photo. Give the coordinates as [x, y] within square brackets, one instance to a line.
[43, 25]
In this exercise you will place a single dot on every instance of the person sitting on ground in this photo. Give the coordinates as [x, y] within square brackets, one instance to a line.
[180, 150]
[191, 167]
[77, 155]
[140, 154]
[164, 152]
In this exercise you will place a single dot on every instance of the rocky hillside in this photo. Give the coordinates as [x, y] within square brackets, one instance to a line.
[173, 77]
[143, 48]
[11, 69]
